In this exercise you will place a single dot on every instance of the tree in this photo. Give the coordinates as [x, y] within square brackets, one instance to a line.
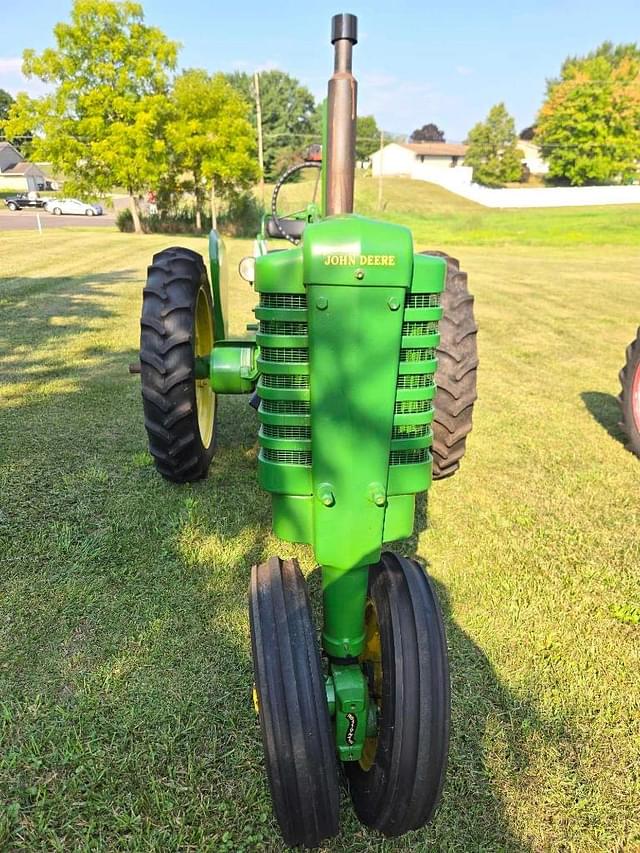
[527, 133]
[102, 125]
[288, 111]
[367, 137]
[493, 151]
[210, 136]
[588, 128]
[5, 102]
[427, 133]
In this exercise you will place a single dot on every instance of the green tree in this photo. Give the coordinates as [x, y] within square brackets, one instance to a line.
[5, 102]
[588, 128]
[210, 137]
[102, 124]
[493, 151]
[367, 137]
[288, 113]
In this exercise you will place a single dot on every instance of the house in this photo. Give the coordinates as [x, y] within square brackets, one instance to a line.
[532, 157]
[17, 174]
[404, 158]
[438, 162]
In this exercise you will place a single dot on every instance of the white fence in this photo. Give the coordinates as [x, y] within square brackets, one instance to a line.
[459, 181]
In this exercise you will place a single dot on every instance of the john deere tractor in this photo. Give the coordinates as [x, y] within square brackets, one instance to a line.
[363, 370]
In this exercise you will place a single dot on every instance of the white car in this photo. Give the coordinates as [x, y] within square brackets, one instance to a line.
[72, 205]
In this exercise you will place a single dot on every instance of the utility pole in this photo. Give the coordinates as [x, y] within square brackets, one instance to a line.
[380, 171]
[256, 86]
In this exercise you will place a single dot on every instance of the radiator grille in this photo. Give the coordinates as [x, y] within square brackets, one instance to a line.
[412, 407]
[408, 457]
[423, 300]
[415, 380]
[296, 433]
[411, 431]
[286, 407]
[422, 354]
[286, 301]
[282, 327]
[285, 355]
[287, 457]
[284, 380]
[422, 327]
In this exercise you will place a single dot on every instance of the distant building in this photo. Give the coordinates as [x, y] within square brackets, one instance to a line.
[438, 162]
[17, 174]
[402, 158]
[532, 157]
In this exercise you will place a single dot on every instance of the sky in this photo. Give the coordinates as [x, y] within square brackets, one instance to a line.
[416, 63]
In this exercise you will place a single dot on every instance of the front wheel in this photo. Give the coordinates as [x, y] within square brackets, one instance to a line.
[89, 212]
[291, 701]
[629, 397]
[12, 206]
[176, 337]
[57, 211]
[396, 784]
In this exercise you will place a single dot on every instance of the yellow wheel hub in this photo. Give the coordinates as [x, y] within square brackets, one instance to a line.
[203, 345]
[372, 656]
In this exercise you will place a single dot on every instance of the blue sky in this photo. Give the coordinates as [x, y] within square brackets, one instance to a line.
[416, 62]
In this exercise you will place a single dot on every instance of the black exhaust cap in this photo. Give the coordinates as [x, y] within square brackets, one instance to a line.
[344, 26]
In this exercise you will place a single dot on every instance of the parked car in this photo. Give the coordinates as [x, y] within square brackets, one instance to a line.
[20, 200]
[72, 206]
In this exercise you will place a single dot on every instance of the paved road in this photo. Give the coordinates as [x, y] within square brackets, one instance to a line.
[25, 220]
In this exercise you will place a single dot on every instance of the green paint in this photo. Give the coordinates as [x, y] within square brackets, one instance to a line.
[351, 709]
[232, 367]
[219, 284]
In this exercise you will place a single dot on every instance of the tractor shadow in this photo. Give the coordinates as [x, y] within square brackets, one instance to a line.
[605, 410]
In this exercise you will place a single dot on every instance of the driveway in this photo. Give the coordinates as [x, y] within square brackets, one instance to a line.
[25, 220]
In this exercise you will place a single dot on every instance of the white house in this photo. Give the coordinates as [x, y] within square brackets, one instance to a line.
[532, 157]
[18, 174]
[439, 162]
[402, 158]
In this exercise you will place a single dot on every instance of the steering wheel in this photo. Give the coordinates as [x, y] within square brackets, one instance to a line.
[280, 220]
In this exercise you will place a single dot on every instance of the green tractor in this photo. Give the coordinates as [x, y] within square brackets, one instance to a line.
[363, 372]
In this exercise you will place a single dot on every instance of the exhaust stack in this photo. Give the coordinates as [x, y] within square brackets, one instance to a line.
[341, 118]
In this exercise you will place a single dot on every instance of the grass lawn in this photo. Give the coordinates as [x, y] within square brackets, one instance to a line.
[125, 713]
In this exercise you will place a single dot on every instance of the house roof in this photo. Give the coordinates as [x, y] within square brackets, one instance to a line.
[23, 168]
[5, 145]
[436, 149]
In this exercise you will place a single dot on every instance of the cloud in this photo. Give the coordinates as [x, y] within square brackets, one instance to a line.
[13, 80]
[10, 65]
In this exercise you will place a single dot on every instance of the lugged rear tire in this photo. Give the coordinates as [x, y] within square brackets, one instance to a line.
[176, 323]
[629, 397]
[292, 704]
[456, 376]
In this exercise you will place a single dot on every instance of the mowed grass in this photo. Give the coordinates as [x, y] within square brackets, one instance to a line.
[125, 669]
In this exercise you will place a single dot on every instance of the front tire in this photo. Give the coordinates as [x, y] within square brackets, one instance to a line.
[629, 397]
[89, 212]
[396, 785]
[12, 206]
[177, 329]
[456, 376]
[292, 704]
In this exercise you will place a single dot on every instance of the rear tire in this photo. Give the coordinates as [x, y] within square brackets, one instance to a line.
[57, 211]
[396, 785]
[456, 376]
[179, 409]
[292, 704]
[629, 397]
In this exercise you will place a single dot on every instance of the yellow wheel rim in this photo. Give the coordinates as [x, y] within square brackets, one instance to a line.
[372, 656]
[205, 398]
